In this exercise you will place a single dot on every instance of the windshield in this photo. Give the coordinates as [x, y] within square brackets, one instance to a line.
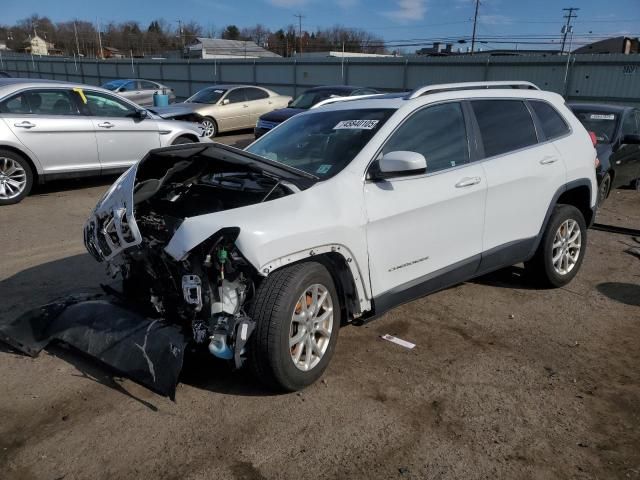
[321, 143]
[310, 98]
[114, 84]
[603, 124]
[208, 95]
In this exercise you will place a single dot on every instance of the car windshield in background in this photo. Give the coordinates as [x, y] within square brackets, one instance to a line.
[114, 84]
[208, 95]
[309, 99]
[603, 124]
[321, 143]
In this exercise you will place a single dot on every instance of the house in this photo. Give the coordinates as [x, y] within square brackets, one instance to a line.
[3, 46]
[624, 45]
[37, 46]
[219, 48]
[110, 52]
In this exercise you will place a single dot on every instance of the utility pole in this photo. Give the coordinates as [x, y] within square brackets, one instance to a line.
[567, 27]
[181, 32]
[475, 23]
[75, 31]
[299, 17]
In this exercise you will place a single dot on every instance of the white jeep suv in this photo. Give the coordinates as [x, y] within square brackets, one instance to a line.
[346, 211]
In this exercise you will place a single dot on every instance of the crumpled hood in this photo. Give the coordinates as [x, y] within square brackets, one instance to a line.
[175, 110]
[281, 115]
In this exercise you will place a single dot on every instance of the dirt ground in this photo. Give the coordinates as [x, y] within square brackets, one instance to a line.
[506, 380]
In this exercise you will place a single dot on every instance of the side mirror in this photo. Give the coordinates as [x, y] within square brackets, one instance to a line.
[141, 114]
[289, 103]
[225, 101]
[631, 139]
[400, 163]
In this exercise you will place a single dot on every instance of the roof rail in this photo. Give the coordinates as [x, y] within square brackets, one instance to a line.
[450, 87]
[327, 101]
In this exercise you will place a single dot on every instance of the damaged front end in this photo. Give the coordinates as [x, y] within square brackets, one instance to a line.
[201, 298]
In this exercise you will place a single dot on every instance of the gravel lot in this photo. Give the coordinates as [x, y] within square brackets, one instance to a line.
[506, 381]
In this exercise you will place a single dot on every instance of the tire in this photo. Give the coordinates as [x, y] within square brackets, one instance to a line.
[277, 309]
[210, 127]
[636, 184]
[16, 177]
[563, 221]
[603, 189]
[182, 141]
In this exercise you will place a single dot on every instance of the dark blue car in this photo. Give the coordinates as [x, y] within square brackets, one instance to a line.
[617, 129]
[304, 102]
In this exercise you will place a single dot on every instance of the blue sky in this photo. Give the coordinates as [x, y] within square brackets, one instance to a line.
[402, 20]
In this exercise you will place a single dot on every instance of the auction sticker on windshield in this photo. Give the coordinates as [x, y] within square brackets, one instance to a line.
[356, 124]
[598, 116]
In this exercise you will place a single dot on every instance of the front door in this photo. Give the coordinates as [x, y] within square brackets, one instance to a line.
[122, 137]
[235, 114]
[426, 228]
[49, 123]
[626, 158]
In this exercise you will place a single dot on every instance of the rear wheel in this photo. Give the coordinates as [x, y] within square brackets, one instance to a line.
[16, 177]
[561, 249]
[636, 184]
[603, 189]
[297, 314]
[209, 127]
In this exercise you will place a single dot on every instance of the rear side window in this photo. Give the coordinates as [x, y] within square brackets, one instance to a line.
[41, 102]
[256, 94]
[145, 85]
[436, 132]
[237, 95]
[505, 125]
[553, 125]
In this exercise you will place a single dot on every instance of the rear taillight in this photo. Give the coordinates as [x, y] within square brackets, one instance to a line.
[597, 162]
[594, 139]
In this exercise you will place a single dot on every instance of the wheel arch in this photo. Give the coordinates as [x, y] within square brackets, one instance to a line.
[37, 177]
[344, 271]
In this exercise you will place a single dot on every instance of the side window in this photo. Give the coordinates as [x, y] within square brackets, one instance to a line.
[101, 105]
[553, 125]
[438, 133]
[505, 125]
[237, 95]
[256, 94]
[16, 104]
[129, 87]
[145, 85]
[41, 102]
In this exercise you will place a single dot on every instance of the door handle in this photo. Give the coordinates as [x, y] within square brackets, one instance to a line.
[106, 125]
[24, 124]
[548, 160]
[468, 181]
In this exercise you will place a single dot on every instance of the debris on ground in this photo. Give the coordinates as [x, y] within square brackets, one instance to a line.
[398, 341]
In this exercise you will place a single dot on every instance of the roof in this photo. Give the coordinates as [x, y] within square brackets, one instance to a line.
[222, 47]
[599, 107]
[334, 88]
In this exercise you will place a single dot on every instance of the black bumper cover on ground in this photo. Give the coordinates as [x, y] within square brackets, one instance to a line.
[146, 350]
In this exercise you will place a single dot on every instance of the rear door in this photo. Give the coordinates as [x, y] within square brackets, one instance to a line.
[524, 171]
[259, 103]
[122, 138]
[48, 122]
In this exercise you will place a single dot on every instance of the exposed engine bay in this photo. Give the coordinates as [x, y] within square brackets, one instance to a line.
[199, 299]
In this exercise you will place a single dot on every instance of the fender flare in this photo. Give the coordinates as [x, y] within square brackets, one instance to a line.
[359, 278]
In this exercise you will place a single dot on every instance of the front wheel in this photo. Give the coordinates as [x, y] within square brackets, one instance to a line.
[561, 249]
[603, 189]
[297, 314]
[16, 177]
[636, 184]
[209, 127]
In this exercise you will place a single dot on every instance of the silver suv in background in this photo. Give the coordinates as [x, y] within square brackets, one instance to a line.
[54, 129]
[139, 91]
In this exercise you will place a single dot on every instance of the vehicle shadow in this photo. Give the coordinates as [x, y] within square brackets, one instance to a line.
[41, 284]
[627, 293]
[63, 185]
[509, 277]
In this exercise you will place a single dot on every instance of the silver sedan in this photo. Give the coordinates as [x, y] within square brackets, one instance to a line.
[139, 91]
[56, 129]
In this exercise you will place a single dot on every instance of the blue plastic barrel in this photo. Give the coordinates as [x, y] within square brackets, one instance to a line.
[160, 100]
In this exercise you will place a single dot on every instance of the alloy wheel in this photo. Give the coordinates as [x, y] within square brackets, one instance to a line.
[13, 178]
[209, 128]
[311, 327]
[567, 244]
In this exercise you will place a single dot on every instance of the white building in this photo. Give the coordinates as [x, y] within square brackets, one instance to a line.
[37, 46]
[219, 48]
